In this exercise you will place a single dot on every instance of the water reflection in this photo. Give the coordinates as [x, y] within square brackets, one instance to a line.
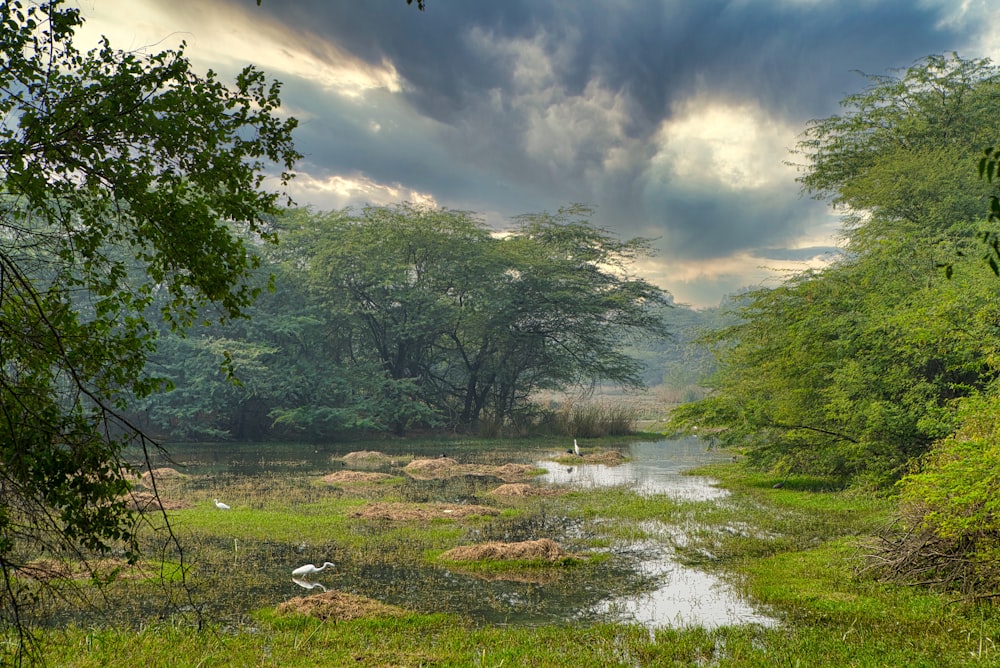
[684, 597]
[679, 596]
[308, 584]
[655, 467]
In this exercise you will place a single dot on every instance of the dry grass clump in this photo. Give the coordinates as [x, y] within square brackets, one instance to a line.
[355, 477]
[521, 489]
[541, 549]
[147, 501]
[411, 512]
[606, 457]
[338, 606]
[368, 459]
[439, 467]
[161, 474]
[511, 472]
[44, 570]
[446, 467]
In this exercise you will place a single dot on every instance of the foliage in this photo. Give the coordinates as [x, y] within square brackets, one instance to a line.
[471, 321]
[400, 318]
[988, 169]
[278, 373]
[125, 176]
[948, 532]
[851, 370]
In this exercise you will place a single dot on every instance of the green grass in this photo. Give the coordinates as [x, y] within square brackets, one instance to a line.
[792, 550]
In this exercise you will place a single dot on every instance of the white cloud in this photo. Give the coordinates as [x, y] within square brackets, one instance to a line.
[700, 283]
[337, 191]
[227, 40]
[966, 16]
[733, 146]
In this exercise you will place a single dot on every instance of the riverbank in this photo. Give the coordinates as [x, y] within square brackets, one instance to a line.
[791, 550]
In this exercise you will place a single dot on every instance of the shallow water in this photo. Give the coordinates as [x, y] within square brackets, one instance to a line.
[666, 593]
[681, 596]
[654, 467]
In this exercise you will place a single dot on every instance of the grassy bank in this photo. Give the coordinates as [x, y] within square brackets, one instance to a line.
[792, 550]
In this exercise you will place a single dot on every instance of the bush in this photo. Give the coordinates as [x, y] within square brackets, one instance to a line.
[948, 530]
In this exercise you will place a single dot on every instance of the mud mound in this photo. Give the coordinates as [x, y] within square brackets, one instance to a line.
[445, 467]
[160, 474]
[355, 476]
[439, 467]
[367, 456]
[543, 548]
[524, 489]
[511, 472]
[338, 606]
[146, 501]
[609, 457]
[411, 512]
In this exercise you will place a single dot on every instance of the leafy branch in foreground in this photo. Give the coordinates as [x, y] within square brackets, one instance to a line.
[987, 170]
[124, 178]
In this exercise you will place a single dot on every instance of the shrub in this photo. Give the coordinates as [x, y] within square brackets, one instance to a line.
[947, 534]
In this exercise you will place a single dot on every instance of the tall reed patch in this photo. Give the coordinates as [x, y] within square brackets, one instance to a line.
[593, 419]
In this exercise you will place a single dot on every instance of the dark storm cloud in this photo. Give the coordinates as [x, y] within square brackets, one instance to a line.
[797, 57]
[473, 128]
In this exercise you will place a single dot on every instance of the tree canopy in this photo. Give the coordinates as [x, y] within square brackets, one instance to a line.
[126, 179]
[401, 317]
[854, 369]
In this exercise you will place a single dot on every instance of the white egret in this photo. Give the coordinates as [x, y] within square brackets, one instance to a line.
[309, 569]
[220, 505]
[576, 449]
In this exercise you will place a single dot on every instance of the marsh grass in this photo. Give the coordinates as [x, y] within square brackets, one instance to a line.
[791, 550]
[594, 419]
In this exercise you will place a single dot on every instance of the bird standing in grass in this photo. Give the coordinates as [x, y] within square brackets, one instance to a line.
[310, 569]
[220, 505]
[576, 449]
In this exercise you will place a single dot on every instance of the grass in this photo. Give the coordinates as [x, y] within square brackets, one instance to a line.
[791, 550]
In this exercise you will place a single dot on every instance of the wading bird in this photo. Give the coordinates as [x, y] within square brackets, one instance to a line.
[220, 505]
[576, 449]
[309, 569]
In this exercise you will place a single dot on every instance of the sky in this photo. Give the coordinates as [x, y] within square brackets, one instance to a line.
[673, 119]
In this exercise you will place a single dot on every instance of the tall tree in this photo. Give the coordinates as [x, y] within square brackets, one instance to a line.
[478, 321]
[110, 160]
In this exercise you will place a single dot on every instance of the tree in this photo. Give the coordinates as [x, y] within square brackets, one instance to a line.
[294, 377]
[475, 321]
[854, 370]
[989, 167]
[126, 178]
[896, 161]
